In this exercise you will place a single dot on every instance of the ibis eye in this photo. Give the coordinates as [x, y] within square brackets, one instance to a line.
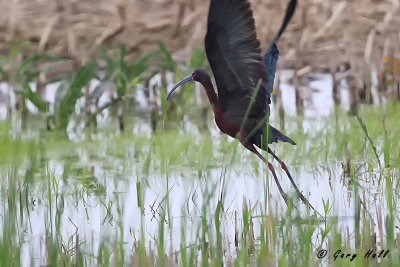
[193, 75]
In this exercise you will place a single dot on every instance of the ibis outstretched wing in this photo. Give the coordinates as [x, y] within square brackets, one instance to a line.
[234, 54]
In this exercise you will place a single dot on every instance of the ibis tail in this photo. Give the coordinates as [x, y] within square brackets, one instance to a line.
[278, 136]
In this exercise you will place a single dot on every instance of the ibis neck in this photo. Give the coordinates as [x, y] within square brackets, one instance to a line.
[212, 96]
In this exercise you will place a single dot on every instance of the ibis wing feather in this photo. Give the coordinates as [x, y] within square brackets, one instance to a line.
[234, 54]
[272, 54]
[270, 61]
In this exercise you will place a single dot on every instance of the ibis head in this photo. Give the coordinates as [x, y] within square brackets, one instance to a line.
[198, 75]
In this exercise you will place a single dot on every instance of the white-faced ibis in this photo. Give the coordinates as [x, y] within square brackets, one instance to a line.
[244, 79]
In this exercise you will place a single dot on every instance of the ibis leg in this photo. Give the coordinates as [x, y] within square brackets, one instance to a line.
[283, 166]
[271, 168]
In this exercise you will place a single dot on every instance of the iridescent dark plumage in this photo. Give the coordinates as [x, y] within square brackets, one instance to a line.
[243, 77]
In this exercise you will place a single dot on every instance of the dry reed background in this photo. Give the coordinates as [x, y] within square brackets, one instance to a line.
[323, 34]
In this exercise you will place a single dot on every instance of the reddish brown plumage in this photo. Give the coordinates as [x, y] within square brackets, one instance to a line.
[225, 127]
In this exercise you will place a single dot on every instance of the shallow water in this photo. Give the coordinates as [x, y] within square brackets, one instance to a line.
[95, 181]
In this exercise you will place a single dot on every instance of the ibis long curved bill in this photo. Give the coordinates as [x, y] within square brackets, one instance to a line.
[187, 79]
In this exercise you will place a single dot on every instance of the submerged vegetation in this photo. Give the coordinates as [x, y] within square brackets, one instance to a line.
[166, 189]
